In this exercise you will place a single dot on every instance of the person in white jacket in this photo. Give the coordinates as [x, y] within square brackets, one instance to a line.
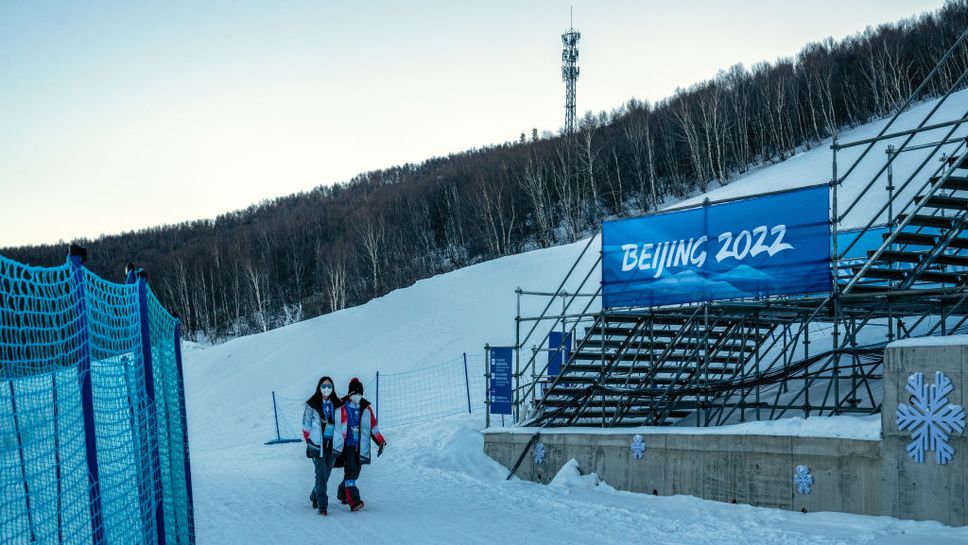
[318, 431]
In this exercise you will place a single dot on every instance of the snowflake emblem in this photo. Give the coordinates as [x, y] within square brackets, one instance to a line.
[931, 419]
[539, 453]
[803, 479]
[638, 447]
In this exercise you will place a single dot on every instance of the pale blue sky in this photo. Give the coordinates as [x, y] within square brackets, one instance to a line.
[122, 115]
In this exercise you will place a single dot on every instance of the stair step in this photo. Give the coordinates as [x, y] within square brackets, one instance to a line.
[642, 343]
[885, 274]
[959, 243]
[923, 220]
[870, 288]
[610, 403]
[955, 260]
[957, 183]
[942, 201]
[644, 368]
[643, 357]
[941, 277]
[593, 415]
[901, 274]
[894, 256]
[715, 332]
[924, 239]
[913, 239]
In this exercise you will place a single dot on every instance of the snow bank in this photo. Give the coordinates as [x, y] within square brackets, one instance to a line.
[841, 427]
[569, 476]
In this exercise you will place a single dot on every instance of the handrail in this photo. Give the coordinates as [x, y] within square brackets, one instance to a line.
[900, 133]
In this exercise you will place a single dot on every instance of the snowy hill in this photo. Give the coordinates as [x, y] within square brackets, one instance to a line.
[435, 484]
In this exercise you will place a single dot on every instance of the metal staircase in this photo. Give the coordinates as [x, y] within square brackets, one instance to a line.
[725, 361]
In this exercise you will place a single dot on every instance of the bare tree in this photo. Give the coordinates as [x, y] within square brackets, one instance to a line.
[372, 237]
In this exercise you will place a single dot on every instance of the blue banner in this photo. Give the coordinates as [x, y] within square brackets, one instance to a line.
[775, 244]
[556, 357]
[501, 386]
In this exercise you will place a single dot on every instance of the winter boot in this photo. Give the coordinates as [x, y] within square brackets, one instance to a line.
[357, 506]
[341, 494]
[312, 498]
[323, 512]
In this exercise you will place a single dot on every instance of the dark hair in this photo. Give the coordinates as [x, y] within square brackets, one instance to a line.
[316, 400]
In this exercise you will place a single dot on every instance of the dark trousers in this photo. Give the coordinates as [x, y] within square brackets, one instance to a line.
[351, 471]
[323, 463]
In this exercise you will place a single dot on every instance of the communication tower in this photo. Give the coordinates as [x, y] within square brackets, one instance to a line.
[569, 74]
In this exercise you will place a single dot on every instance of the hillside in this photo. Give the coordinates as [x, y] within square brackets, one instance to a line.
[307, 254]
[439, 318]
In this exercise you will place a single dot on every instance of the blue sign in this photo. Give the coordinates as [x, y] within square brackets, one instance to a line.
[775, 244]
[501, 386]
[556, 340]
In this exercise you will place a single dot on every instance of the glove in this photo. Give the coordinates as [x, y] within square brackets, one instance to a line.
[379, 451]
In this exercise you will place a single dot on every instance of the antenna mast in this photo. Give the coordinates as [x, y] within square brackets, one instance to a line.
[569, 71]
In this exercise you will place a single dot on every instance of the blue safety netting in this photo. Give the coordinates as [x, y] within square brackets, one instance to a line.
[93, 447]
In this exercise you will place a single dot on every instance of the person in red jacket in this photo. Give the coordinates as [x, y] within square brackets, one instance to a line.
[355, 428]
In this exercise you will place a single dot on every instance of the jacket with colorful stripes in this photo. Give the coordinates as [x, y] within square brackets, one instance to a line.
[368, 429]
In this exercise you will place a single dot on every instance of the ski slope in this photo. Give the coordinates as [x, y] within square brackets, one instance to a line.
[434, 484]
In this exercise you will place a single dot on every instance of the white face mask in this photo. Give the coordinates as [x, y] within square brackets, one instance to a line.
[325, 389]
[355, 398]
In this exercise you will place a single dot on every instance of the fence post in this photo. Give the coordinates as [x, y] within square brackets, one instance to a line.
[275, 416]
[467, 384]
[377, 396]
[152, 414]
[487, 386]
[188, 463]
[77, 257]
[57, 458]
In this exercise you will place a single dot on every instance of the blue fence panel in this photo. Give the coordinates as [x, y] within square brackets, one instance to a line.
[80, 458]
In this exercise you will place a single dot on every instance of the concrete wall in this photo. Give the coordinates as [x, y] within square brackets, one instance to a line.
[754, 469]
[926, 490]
[870, 477]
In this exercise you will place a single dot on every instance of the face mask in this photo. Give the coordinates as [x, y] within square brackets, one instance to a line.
[355, 398]
[325, 390]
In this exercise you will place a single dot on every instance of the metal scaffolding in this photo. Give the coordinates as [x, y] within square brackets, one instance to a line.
[720, 362]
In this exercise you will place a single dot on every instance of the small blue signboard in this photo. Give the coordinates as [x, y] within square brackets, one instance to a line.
[559, 350]
[501, 385]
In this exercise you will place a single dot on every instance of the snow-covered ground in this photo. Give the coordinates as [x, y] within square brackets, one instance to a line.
[434, 484]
